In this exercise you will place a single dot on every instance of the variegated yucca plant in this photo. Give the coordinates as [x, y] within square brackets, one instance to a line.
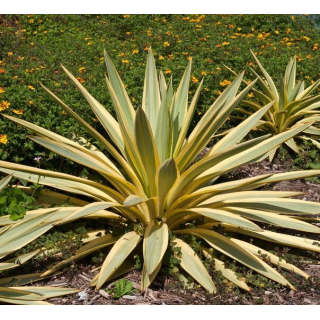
[293, 105]
[158, 192]
[11, 289]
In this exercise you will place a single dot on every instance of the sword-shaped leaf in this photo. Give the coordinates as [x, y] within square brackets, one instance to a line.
[192, 264]
[119, 252]
[155, 243]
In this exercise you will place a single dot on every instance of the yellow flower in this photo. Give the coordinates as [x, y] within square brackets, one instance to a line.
[309, 56]
[2, 90]
[171, 56]
[168, 33]
[203, 73]
[10, 54]
[20, 111]
[251, 95]
[276, 32]
[135, 51]
[161, 57]
[225, 82]
[125, 61]
[89, 43]
[189, 58]
[166, 44]
[126, 16]
[31, 88]
[31, 21]
[128, 33]
[81, 69]
[4, 105]
[194, 79]
[63, 112]
[225, 43]
[31, 102]
[218, 68]
[3, 138]
[168, 71]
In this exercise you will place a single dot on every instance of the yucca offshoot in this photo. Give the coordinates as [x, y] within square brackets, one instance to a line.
[156, 187]
[293, 105]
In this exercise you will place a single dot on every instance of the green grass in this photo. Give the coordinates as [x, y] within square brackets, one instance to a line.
[33, 46]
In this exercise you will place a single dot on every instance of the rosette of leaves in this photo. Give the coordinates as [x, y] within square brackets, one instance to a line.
[293, 105]
[154, 188]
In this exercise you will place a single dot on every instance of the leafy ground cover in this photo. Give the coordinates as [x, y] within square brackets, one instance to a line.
[33, 46]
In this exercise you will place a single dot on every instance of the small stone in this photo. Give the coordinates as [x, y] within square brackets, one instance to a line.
[267, 293]
[307, 301]
[82, 296]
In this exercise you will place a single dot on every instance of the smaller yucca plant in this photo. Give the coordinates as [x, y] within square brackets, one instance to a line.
[155, 191]
[293, 105]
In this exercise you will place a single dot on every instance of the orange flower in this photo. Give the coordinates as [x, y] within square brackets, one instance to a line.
[3, 138]
[80, 79]
[4, 105]
[203, 73]
[225, 82]
[168, 71]
[194, 79]
[20, 111]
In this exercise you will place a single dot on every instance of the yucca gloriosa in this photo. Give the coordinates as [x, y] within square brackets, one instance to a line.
[293, 105]
[155, 188]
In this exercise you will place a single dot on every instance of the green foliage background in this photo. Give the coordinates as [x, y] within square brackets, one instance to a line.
[33, 46]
